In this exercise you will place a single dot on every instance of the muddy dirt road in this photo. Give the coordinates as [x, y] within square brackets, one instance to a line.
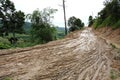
[80, 58]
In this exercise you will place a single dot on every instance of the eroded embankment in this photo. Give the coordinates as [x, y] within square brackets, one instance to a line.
[110, 35]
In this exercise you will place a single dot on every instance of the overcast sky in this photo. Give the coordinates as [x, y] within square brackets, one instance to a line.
[78, 8]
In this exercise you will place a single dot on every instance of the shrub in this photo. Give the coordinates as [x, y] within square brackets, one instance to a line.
[107, 22]
[116, 25]
[4, 43]
[97, 23]
[4, 46]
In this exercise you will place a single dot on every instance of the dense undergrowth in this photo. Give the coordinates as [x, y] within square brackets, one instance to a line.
[109, 16]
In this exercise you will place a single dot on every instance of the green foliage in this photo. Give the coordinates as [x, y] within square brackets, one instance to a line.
[91, 20]
[42, 30]
[75, 23]
[23, 41]
[43, 33]
[11, 20]
[4, 43]
[6, 10]
[4, 46]
[116, 25]
[60, 32]
[107, 22]
[10, 17]
[18, 18]
[110, 15]
[97, 23]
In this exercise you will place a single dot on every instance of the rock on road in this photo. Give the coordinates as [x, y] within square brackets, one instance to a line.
[80, 58]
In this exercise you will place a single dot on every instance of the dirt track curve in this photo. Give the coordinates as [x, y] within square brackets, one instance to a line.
[80, 58]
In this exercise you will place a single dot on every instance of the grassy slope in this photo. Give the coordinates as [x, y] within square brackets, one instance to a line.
[24, 39]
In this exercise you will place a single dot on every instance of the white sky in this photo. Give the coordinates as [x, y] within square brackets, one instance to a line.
[78, 8]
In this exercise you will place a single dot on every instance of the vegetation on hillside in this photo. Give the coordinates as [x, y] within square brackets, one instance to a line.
[75, 23]
[11, 20]
[109, 16]
[42, 30]
[14, 32]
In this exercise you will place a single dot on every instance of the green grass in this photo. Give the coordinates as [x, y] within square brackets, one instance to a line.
[7, 78]
[4, 43]
[112, 75]
[109, 21]
[97, 23]
[116, 25]
[23, 40]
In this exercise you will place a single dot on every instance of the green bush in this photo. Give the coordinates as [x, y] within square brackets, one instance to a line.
[4, 43]
[43, 33]
[4, 46]
[97, 23]
[107, 22]
[116, 25]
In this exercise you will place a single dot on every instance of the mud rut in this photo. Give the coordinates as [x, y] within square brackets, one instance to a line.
[82, 58]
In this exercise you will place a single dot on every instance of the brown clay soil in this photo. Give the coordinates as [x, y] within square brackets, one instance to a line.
[112, 36]
[81, 56]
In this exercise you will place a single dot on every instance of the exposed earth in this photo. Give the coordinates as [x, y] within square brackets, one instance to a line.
[81, 56]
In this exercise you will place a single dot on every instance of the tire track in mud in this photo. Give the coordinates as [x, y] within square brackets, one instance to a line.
[82, 58]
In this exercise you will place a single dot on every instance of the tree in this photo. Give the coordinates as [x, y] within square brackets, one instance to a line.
[42, 31]
[11, 19]
[90, 21]
[18, 17]
[6, 10]
[75, 23]
[110, 14]
[16, 22]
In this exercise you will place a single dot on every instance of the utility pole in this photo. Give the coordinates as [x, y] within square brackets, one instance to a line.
[65, 16]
